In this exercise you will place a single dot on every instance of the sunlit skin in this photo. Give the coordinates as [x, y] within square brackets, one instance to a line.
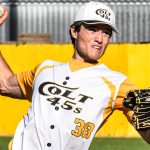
[91, 42]
[4, 17]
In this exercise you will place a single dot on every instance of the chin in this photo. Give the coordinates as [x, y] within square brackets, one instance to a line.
[92, 60]
[95, 58]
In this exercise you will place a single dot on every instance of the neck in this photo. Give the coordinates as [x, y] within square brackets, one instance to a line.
[77, 57]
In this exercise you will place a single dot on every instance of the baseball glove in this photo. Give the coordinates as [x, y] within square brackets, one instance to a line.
[139, 102]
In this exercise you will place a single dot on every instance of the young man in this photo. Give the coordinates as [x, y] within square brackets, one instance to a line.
[70, 101]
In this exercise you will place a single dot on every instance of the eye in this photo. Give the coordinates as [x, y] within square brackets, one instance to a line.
[92, 29]
[107, 33]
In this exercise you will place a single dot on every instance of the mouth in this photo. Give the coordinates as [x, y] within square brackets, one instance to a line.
[97, 47]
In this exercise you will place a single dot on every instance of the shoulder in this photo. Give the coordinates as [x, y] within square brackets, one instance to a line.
[49, 63]
[45, 64]
[109, 73]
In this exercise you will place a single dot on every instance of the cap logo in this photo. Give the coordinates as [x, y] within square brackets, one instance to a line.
[103, 13]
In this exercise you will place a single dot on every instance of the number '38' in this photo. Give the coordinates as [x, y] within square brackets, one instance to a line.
[82, 129]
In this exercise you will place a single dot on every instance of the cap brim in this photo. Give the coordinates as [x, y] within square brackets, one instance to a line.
[101, 22]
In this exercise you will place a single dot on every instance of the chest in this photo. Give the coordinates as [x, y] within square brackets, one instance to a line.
[74, 92]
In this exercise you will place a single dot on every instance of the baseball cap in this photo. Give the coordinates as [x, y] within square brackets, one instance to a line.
[96, 13]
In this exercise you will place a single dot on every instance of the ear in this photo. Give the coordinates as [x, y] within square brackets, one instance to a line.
[73, 32]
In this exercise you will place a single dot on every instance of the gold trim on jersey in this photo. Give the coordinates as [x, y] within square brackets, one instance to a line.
[112, 88]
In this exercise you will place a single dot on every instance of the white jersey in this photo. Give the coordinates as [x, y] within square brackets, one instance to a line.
[68, 107]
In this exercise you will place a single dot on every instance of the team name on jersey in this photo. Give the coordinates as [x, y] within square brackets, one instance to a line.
[56, 92]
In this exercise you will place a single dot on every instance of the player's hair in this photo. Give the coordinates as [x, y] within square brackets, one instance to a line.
[77, 27]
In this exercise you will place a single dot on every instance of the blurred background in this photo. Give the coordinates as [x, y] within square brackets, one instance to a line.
[39, 29]
[54, 17]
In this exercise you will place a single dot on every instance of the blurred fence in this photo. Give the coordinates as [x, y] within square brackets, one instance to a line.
[76, 1]
[55, 18]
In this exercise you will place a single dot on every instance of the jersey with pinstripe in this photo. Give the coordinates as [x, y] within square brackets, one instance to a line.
[69, 103]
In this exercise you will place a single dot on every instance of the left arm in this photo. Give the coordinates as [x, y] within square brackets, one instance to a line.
[138, 102]
[125, 87]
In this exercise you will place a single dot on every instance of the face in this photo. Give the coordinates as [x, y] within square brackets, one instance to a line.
[91, 41]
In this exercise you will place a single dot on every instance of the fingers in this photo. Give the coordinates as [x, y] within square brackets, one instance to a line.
[4, 17]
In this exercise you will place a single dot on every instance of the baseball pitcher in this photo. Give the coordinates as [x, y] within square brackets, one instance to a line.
[71, 101]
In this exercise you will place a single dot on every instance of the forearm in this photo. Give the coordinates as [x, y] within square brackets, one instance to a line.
[8, 82]
[5, 70]
[11, 88]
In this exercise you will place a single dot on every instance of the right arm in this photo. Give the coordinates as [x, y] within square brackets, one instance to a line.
[8, 82]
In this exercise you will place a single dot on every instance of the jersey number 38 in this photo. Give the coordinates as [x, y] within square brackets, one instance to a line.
[82, 129]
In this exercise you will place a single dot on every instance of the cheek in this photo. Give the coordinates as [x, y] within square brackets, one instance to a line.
[106, 42]
[83, 42]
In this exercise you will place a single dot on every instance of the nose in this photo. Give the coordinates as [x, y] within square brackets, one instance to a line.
[99, 37]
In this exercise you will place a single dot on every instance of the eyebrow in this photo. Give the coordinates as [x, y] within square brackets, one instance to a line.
[98, 27]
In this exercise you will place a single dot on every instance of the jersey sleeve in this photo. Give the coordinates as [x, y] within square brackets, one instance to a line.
[25, 80]
[126, 86]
